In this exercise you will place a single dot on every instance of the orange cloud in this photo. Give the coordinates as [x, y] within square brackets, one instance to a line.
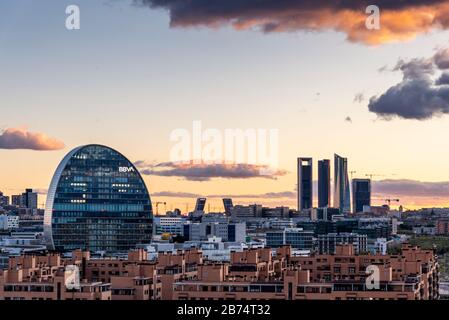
[19, 138]
[400, 20]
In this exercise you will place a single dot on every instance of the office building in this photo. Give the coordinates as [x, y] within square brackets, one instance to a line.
[342, 197]
[327, 243]
[240, 212]
[16, 200]
[278, 212]
[305, 183]
[97, 200]
[29, 199]
[326, 213]
[200, 204]
[4, 200]
[324, 183]
[9, 222]
[227, 203]
[168, 224]
[228, 232]
[294, 237]
[361, 194]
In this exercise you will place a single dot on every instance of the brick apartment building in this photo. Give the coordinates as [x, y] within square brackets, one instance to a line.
[341, 276]
[249, 275]
[442, 227]
[32, 277]
[44, 278]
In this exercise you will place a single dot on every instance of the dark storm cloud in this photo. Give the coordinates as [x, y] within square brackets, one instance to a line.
[19, 138]
[443, 79]
[400, 19]
[205, 172]
[418, 96]
[415, 68]
[441, 59]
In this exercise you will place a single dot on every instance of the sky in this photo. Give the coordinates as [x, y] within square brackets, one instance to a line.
[138, 70]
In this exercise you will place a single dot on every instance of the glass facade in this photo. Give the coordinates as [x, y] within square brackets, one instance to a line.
[298, 239]
[361, 194]
[97, 201]
[342, 197]
[305, 189]
[324, 183]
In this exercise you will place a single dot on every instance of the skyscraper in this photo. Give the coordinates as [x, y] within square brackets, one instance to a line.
[324, 183]
[342, 197]
[305, 194]
[97, 201]
[227, 203]
[200, 204]
[361, 194]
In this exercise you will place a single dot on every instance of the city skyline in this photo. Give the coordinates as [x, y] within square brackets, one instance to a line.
[223, 158]
[99, 89]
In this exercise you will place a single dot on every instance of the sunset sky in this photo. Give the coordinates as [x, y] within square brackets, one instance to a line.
[137, 70]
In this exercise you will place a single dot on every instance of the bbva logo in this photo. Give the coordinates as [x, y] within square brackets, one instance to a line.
[126, 169]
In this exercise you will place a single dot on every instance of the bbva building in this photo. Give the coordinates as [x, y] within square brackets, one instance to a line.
[97, 201]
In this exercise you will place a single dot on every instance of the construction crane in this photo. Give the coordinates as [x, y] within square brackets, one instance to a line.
[390, 200]
[371, 175]
[157, 206]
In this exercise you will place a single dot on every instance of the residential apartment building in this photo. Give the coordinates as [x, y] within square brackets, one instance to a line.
[34, 277]
[413, 275]
[442, 227]
[251, 274]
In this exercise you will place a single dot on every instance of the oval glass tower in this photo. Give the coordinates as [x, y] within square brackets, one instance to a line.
[97, 201]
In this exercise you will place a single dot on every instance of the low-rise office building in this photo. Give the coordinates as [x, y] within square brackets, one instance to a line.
[327, 243]
[202, 231]
[295, 237]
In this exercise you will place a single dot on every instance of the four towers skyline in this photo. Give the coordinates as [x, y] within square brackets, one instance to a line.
[342, 196]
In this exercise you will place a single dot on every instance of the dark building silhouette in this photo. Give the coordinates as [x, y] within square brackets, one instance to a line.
[227, 203]
[305, 194]
[361, 194]
[324, 183]
[200, 204]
